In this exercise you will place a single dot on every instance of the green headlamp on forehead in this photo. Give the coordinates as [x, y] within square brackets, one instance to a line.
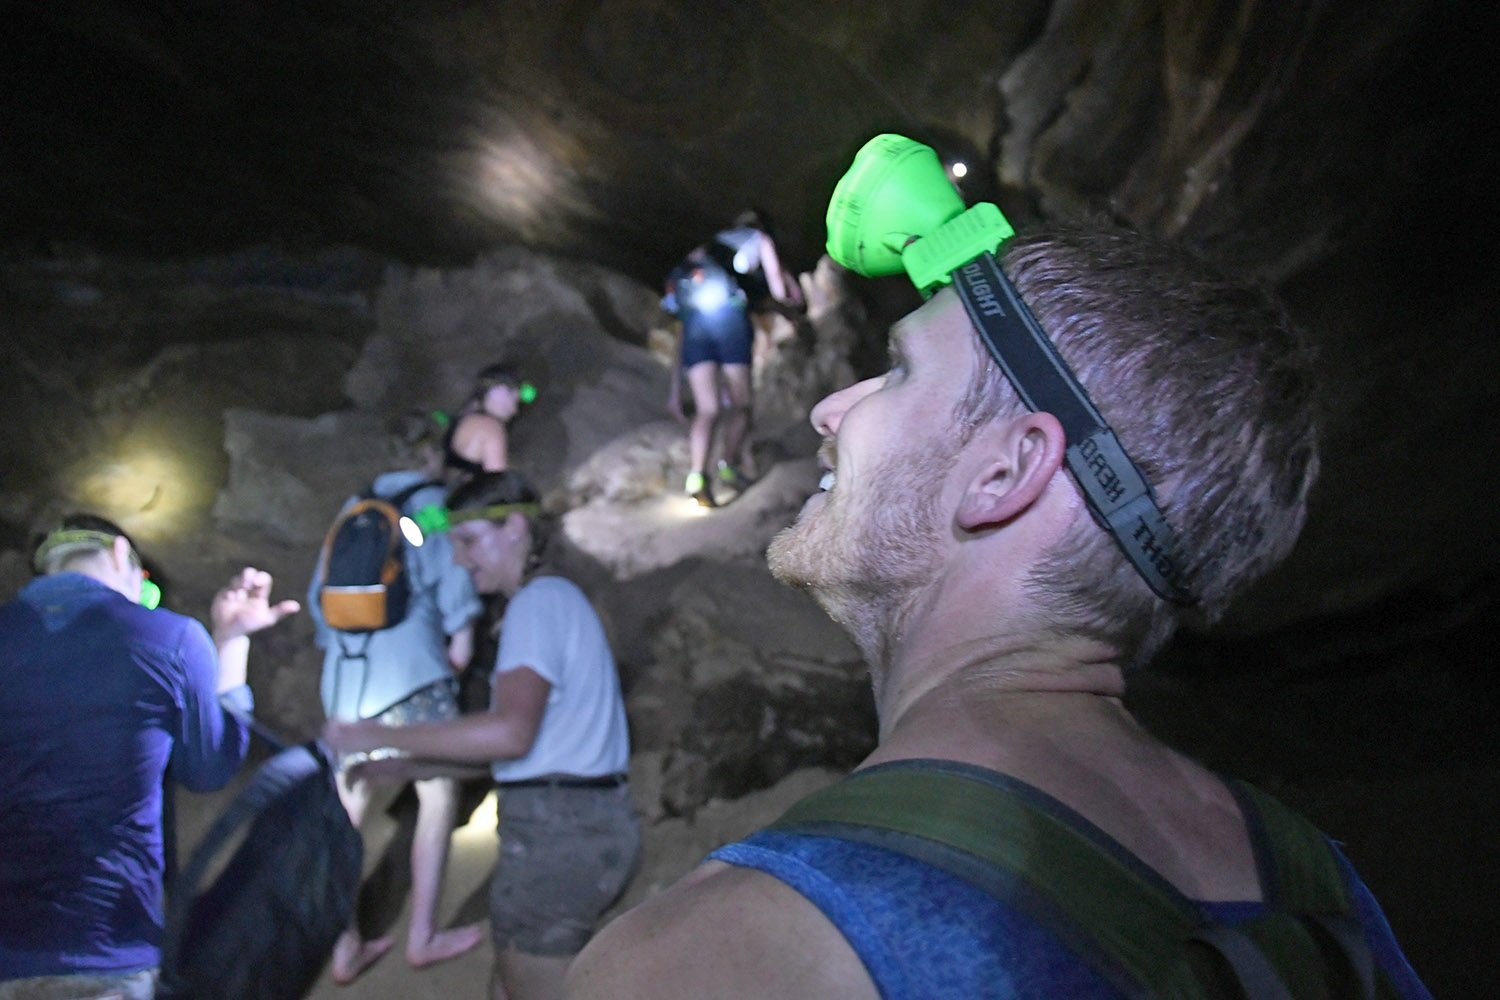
[896, 210]
[433, 518]
[66, 538]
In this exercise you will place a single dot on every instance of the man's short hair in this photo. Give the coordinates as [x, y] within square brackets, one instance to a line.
[75, 538]
[1209, 387]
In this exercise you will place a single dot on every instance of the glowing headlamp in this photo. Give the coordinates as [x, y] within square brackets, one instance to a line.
[896, 210]
[526, 393]
[428, 520]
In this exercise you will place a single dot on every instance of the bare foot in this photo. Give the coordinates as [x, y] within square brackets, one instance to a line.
[444, 945]
[352, 956]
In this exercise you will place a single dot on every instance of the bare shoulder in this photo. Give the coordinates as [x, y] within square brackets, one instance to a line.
[722, 933]
[477, 424]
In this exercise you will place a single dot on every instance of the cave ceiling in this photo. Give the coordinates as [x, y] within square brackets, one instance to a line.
[1338, 150]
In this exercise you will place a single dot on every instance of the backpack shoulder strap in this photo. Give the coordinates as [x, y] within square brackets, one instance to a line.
[400, 498]
[1130, 925]
[1123, 921]
[1300, 875]
[1298, 869]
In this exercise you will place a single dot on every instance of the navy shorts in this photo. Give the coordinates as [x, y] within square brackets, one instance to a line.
[722, 337]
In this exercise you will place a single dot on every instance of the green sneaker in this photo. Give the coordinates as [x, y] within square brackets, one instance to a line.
[732, 477]
[697, 488]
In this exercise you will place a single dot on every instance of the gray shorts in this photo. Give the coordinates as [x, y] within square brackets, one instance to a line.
[566, 854]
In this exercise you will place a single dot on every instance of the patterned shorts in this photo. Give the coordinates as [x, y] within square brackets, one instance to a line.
[129, 986]
[434, 703]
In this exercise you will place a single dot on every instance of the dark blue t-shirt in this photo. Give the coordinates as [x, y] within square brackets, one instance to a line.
[100, 698]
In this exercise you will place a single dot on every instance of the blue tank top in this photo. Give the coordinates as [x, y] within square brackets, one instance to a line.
[924, 934]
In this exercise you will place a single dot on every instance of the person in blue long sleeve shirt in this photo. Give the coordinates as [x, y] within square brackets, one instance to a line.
[103, 697]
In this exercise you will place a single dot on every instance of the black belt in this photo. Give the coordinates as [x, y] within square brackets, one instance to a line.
[564, 781]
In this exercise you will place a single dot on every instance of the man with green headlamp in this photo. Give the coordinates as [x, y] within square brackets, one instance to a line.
[102, 694]
[1087, 438]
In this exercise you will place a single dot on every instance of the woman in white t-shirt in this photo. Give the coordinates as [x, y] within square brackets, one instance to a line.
[555, 737]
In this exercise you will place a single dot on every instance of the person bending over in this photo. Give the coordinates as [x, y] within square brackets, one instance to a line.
[103, 697]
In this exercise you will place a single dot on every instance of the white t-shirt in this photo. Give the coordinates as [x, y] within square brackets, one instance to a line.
[745, 242]
[551, 627]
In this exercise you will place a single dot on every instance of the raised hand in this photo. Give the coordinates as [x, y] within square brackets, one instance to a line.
[243, 607]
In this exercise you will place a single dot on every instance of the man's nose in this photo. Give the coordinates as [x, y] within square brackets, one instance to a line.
[829, 411]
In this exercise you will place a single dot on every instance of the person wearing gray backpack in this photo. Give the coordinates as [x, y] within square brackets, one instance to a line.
[393, 647]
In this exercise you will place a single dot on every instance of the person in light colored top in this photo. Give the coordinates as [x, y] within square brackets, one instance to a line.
[555, 737]
[406, 673]
[104, 697]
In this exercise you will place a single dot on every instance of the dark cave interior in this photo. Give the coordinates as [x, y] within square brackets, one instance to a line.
[1342, 153]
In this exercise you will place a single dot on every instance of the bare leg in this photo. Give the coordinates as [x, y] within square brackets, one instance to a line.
[763, 342]
[519, 976]
[437, 801]
[352, 954]
[703, 380]
[737, 416]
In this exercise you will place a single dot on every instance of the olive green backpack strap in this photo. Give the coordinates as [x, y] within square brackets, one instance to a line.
[1128, 924]
[1303, 882]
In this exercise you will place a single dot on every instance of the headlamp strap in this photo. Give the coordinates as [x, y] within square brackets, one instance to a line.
[67, 537]
[492, 512]
[1118, 496]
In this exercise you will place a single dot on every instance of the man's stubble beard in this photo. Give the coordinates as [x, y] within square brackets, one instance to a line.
[866, 566]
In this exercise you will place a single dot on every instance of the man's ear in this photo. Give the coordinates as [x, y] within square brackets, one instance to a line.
[119, 551]
[1024, 454]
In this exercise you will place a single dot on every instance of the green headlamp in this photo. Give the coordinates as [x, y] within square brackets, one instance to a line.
[150, 595]
[424, 521]
[526, 393]
[895, 210]
[434, 518]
